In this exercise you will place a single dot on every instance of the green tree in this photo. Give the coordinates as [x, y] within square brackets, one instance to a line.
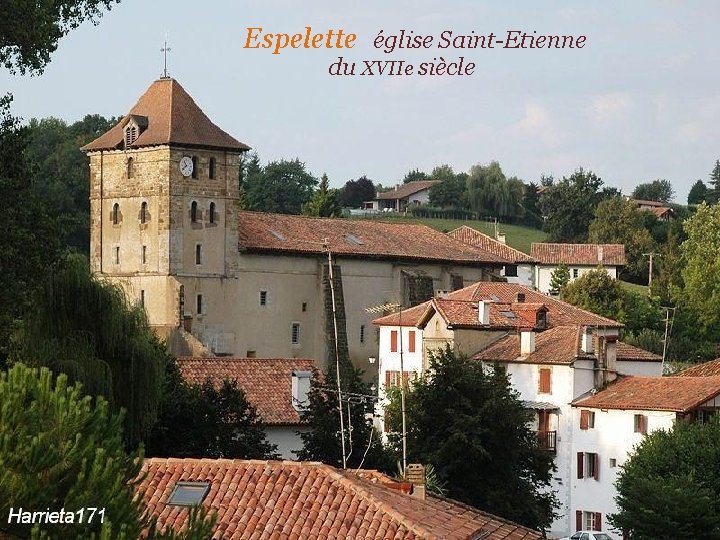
[698, 193]
[471, 426]
[668, 477]
[355, 192]
[442, 173]
[532, 215]
[569, 206]
[657, 190]
[617, 221]
[324, 202]
[491, 193]
[26, 48]
[559, 279]
[60, 449]
[713, 194]
[413, 176]
[595, 291]
[282, 187]
[450, 193]
[84, 327]
[646, 339]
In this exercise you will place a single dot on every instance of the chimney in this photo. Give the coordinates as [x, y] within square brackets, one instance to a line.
[484, 312]
[501, 238]
[300, 388]
[397, 186]
[520, 297]
[527, 342]
[586, 341]
[611, 354]
[600, 254]
[415, 474]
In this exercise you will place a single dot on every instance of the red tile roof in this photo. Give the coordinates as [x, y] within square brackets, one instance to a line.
[406, 190]
[663, 211]
[267, 382]
[706, 369]
[645, 202]
[632, 353]
[294, 500]
[680, 394]
[408, 317]
[173, 118]
[582, 254]
[475, 238]
[559, 345]
[368, 239]
[465, 314]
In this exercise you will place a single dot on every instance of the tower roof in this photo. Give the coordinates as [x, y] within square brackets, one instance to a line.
[166, 114]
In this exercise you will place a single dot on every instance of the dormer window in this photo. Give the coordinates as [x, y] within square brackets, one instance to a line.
[135, 126]
[131, 133]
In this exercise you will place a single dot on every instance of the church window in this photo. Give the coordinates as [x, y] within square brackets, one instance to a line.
[116, 214]
[212, 212]
[130, 168]
[198, 254]
[199, 304]
[194, 171]
[143, 213]
[211, 169]
[194, 212]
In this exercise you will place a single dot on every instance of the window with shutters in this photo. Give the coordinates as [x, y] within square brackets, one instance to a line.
[587, 419]
[588, 465]
[545, 381]
[640, 423]
[592, 521]
[411, 341]
[392, 377]
[393, 340]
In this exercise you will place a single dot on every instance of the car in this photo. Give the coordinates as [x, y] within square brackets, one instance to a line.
[587, 535]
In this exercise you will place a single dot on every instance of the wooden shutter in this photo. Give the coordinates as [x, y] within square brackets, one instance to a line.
[578, 520]
[643, 424]
[544, 386]
[598, 521]
[584, 417]
[388, 374]
[596, 467]
[393, 341]
[580, 463]
[411, 339]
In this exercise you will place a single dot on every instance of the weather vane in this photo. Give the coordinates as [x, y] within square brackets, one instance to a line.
[165, 50]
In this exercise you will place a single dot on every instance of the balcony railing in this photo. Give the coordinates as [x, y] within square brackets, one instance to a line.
[546, 440]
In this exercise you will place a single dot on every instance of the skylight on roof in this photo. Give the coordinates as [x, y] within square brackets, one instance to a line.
[352, 239]
[188, 493]
[277, 235]
[494, 298]
[508, 314]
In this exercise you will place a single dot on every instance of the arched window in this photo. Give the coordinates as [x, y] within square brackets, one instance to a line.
[116, 214]
[194, 171]
[130, 171]
[143, 213]
[193, 212]
[212, 212]
[211, 168]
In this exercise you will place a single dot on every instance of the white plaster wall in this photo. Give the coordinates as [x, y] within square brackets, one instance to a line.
[612, 437]
[525, 275]
[639, 369]
[421, 197]
[543, 274]
[287, 439]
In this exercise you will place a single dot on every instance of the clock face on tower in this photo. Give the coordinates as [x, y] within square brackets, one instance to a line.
[186, 166]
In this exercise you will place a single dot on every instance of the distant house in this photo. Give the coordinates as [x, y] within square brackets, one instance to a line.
[607, 426]
[398, 199]
[659, 209]
[579, 258]
[706, 369]
[523, 265]
[284, 499]
[276, 387]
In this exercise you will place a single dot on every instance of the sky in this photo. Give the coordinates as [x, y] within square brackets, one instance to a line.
[638, 102]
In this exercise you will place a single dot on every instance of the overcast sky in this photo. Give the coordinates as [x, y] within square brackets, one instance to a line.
[640, 101]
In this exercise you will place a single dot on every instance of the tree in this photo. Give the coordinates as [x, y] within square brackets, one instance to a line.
[713, 194]
[442, 173]
[657, 190]
[450, 193]
[617, 221]
[698, 193]
[491, 193]
[667, 478]
[205, 421]
[63, 449]
[355, 192]
[26, 48]
[559, 279]
[532, 216]
[363, 447]
[646, 339]
[471, 426]
[414, 175]
[282, 187]
[85, 328]
[595, 291]
[324, 202]
[569, 206]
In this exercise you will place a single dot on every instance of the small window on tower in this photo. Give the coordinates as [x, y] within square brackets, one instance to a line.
[194, 212]
[117, 255]
[199, 305]
[143, 256]
[198, 254]
[362, 333]
[295, 334]
[143, 212]
[211, 169]
[115, 216]
[142, 298]
[212, 212]
[194, 171]
[130, 169]
[263, 298]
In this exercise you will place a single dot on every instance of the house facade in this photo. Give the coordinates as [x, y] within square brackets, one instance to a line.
[579, 258]
[398, 199]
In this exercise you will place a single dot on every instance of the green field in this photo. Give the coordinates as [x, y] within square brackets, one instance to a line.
[517, 236]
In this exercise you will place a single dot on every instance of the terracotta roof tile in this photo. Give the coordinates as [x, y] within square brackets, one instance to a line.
[267, 382]
[679, 394]
[630, 352]
[370, 239]
[266, 499]
[406, 190]
[584, 254]
[559, 345]
[172, 118]
[475, 238]
[706, 369]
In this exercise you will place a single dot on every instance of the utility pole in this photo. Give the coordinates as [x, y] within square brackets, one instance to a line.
[651, 255]
[668, 330]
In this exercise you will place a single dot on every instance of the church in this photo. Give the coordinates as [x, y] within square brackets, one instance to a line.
[217, 280]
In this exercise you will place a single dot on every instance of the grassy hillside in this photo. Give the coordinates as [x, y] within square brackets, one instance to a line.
[517, 236]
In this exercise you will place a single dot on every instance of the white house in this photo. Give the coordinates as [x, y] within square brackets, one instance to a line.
[409, 194]
[522, 269]
[579, 258]
[276, 387]
[608, 425]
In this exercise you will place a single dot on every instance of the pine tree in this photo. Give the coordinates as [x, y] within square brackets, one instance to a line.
[559, 279]
[324, 202]
[713, 195]
[698, 193]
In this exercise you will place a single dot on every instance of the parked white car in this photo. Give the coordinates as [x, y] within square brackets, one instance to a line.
[588, 535]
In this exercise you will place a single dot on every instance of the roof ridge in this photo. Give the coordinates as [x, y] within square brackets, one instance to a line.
[172, 109]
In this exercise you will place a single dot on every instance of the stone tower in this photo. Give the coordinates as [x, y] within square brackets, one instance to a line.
[163, 207]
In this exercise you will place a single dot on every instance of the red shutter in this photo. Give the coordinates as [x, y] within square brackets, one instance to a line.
[643, 424]
[598, 521]
[596, 468]
[544, 386]
[580, 460]
[578, 520]
[411, 339]
[584, 415]
[388, 374]
[393, 340]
